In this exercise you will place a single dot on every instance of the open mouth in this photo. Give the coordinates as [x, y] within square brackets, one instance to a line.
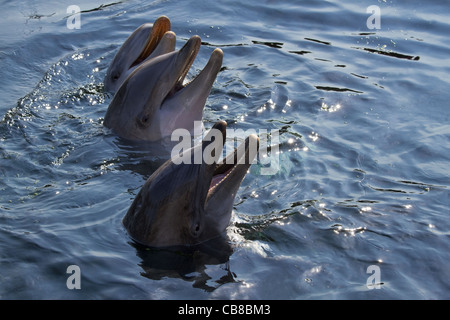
[190, 49]
[235, 165]
[160, 27]
[206, 77]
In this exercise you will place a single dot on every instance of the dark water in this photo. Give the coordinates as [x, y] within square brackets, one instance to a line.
[364, 128]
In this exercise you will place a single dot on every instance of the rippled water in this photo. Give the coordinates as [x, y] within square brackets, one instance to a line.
[364, 128]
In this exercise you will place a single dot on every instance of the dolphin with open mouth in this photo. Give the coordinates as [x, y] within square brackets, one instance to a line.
[146, 42]
[190, 203]
[154, 99]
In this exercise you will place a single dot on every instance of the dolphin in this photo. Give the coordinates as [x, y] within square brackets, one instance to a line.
[190, 203]
[146, 42]
[153, 100]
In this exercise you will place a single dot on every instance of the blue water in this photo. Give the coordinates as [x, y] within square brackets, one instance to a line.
[364, 128]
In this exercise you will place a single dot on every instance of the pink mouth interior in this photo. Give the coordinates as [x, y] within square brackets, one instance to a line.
[217, 178]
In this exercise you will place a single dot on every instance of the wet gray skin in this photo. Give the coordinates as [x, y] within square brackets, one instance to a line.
[187, 204]
[146, 42]
[153, 100]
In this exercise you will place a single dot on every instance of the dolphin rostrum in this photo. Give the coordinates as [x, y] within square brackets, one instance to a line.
[190, 203]
[146, 42]
[153, 100]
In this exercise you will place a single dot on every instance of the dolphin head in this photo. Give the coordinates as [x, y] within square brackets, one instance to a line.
[153, 101]
[190, 203]
[146, 42]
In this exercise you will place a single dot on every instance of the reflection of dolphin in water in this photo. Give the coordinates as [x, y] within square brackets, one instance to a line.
[190, 263]
[153, 100]
[146, 42]
[190, 203]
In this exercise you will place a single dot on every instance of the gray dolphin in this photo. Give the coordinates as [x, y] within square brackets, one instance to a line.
[189, 203]
[153, 100]
[146, 42]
